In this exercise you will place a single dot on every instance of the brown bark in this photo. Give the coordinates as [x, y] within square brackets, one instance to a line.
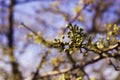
[15, 70]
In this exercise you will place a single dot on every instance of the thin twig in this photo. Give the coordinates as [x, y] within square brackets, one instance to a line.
[36, 74]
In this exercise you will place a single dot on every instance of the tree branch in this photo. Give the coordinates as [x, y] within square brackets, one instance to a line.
[36, 74]
[16, 73]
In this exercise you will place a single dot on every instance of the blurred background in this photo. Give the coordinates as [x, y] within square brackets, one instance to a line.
[49, 18]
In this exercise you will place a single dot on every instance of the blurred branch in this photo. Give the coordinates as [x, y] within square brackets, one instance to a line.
[15, 70]
[98, 15]
[85, 73]
[2, 16]
[82, 66]
[48, 44]
[117, 21]
[70, 58]
[28, 28]
[115, 67]
[18, 2]
[55, 72]
[111, 47]
[36, 74]
[78, 14]
[71, 68]
[75, 17]
[55, 11]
